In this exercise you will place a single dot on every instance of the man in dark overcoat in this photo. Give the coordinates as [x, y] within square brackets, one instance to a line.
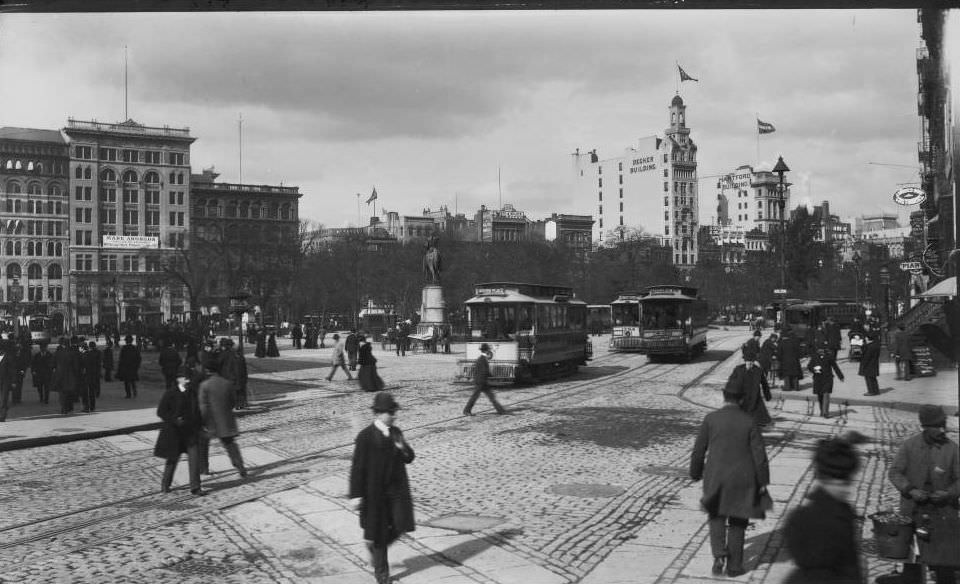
[90, 363]
[748, 380]
[379, 485]
[789, 357]
[823, 366]
[730, 457]
[8, 369]
[481, 382]
[352, 346]
[823, 535]
[926, 472]
[769, 360]
[41, 371]
[169, 362]
[230, 367]
[903, 353]
[296, 333]
[180, 432]
[128, 366]
[870, 363]
[217, 399]
[24, 351]
[66, 377]
[833, 336]
[108, 361]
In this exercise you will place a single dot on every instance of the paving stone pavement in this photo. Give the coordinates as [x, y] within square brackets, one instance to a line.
[584, 482]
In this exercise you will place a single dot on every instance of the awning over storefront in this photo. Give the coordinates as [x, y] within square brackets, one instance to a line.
[946, 288]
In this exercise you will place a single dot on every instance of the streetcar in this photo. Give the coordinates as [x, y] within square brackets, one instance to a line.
[661, 321]
[599, 319]
[535, 331]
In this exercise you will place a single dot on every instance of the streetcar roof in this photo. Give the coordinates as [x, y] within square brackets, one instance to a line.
[509, 297]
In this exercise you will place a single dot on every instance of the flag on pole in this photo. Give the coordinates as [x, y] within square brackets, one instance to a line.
[684, 76]
[765, 127]
[373, 196]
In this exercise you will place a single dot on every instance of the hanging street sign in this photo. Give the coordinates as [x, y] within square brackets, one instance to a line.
[909, 196]
[779, 290]
[910, 266]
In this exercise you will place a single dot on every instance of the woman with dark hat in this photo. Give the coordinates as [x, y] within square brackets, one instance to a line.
[823, 366]
[379, 485]
[180, 431]
[822, 536]
[369, 379]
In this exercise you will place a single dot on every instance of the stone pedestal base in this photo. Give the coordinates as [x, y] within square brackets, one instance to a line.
[432, 305]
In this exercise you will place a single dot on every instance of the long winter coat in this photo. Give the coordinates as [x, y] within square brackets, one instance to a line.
[169, 362]
[128, 364]
[66, 371]
[107, 362]
[369, 378]
[41, 368]
[217, 399]
[752, 385]
[870, 361]
[230, 367]
[823, 381]
[768, 351]
[730, 457]
[180, 413]
[823, 538]
[91, 361]
[379, 475]
[790, 357]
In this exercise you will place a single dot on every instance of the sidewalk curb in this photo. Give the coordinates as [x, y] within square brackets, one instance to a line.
[38, 441]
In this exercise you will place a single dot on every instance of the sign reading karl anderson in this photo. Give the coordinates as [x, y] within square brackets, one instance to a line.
[131, 241]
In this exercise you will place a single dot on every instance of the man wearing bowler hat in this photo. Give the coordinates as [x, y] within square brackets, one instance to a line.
[926, 471]
[379, 486]
[481, 377]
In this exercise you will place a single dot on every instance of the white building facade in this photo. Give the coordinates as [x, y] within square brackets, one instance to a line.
[748, 199]
[651, 187]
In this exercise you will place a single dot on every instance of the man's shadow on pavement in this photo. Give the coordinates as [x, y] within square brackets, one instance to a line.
[763, 548]
[458, 554]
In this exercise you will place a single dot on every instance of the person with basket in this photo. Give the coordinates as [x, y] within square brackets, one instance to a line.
[926, 471]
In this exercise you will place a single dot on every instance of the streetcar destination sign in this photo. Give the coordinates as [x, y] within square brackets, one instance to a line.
[909, 196]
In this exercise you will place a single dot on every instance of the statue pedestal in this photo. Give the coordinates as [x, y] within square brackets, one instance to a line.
[432, 305]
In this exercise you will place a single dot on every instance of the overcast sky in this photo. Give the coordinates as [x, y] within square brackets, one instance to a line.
[427, 106]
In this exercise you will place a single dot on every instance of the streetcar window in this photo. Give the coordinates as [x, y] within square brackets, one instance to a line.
[625, 314]
[663, 316]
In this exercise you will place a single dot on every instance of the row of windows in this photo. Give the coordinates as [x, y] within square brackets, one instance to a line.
[130, 156]
[131, 196]
[31, 166]
[130, 216]
[35, 207]
[246, 210]
[34, 272]
[15, 188]
[33, 248]
[35, 293]
[21, 227]
[129, 177]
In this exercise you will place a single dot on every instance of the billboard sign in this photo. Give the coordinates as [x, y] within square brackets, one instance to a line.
[131, 241]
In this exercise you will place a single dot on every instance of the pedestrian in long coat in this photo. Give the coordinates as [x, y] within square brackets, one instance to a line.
[8, 370]
[833, 336]
[41, 371]
[789, 357]
[823, 535]
[368, 376]
[108, 362]
[66, 378]
[169, 362]
[730, 457]
[823, 366]
[352, 346]
[296, 333]
[217, 398]
[769, 358]
[23, 351]
[180, 432]
[903, 352]
[91, 362]
[749, 381]
[128, 367]
[481, 382]
[926, 472]
[870, 363]
[379, 485]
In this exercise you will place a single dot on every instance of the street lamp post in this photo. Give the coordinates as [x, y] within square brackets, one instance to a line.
[16, 295]
[780, 168]
[885, 282]
[856, 283]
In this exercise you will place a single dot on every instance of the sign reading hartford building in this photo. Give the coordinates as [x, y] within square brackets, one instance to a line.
[131, 241]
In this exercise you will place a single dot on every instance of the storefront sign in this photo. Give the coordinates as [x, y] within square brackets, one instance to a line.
[642, 164]
[131, 241]
[909, 196]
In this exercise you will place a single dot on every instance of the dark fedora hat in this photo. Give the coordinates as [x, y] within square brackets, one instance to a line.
[384, 402]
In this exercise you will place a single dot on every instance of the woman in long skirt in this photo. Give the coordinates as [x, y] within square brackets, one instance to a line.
[368, 376]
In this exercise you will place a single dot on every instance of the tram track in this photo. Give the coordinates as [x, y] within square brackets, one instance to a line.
[44, 530]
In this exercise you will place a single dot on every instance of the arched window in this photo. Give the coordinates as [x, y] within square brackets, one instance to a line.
[54, 190]
[54, 272]
[39, 168]
[34, 272]
[29, 248]
[9, 165]
[18, 165]
[151, 178]
[130, 177]
[9, 248]
[50, 248]
[285, 211]
[244, 210]
[30, 206]
[13, 187]
[17, 248]
[87, 173]
[59, 250]
[78, 172]
[13, 271]
[30, 166]
[108, 175]
[34, 189]
[9, 206]
[18, 206]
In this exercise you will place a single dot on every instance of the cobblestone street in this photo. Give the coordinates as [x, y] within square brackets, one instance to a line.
[584, 481]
